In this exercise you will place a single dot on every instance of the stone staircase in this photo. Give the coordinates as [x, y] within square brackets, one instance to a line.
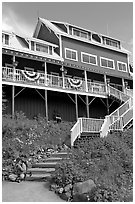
[41, 171]
[84, 138]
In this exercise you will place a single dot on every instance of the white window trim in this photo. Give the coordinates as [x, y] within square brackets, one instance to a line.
[79, 31]
[111, 40]
[4, 39]
[42, 46]
[121, 63]
[71, 51]
[90, 56]
[109, 60]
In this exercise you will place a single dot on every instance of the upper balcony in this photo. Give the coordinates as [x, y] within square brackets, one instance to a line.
[52, 82]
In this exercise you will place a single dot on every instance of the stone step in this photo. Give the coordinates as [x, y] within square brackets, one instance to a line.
[89, 135]
[40, 170]
[53, 159]
[44, 165]
[59, 154]
[38, 177]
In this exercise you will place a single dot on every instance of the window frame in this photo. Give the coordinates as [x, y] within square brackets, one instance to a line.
[111, 41]
[123, 63]
[42, 45]
[90, 55]
[68, 49]
[4, 39]
[80, 33]
[108, 60]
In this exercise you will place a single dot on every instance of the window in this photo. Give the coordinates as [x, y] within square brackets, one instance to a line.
[88, 58]
[71, 54]
[79, 33]
[32, 46]
[107, 63]
[122, 66]
[111, 42]
[41, 48]
[5, 39]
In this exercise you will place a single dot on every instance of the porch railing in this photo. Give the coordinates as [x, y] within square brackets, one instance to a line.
[118, 94]
[50, 80]
[118, 119]
[92, 125]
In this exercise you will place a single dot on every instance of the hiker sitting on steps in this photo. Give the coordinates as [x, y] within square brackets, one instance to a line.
[20, 171]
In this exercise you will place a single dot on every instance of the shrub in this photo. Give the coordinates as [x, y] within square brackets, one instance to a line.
[24, 136]
[107, 161]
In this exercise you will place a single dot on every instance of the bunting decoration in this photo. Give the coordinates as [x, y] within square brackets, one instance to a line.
[76, 83]
[30, 76]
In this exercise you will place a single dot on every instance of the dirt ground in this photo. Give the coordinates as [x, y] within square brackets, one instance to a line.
[28, 192]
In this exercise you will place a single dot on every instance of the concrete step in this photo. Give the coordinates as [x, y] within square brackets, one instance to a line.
[53, 159]
[59, 155]
[38, 177]
[40, 170]
[44, 165]
[89, 135]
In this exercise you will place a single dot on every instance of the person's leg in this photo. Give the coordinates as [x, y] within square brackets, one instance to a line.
[22, 176]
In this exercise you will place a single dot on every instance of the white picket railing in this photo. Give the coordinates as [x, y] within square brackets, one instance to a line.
[92, 125]
[115, 121]
[76, 131]
[52, 81]
[118, 94]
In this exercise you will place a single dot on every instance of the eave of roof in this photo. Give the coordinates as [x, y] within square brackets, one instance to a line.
[58, 31]
[76, 26]
[25, 50]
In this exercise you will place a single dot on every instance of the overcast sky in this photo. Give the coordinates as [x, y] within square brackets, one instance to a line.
[112, 18]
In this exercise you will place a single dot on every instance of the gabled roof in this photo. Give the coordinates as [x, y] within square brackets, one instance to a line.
[49, 24]
[87, 30]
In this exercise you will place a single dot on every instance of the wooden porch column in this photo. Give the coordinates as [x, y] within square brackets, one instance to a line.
[13, 101]
[123, 85]
[85, 75]
[13, 67]
[63, 79]
[87, 106]
[45, 65]
[76, 106]
[105, 83]
[46, 106]
[107, 105]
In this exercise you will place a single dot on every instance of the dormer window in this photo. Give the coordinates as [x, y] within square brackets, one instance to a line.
[5, 39]
[41, 48]
[79, 33]
[111, 42]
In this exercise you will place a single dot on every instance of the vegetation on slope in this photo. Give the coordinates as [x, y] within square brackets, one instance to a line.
[107, 161]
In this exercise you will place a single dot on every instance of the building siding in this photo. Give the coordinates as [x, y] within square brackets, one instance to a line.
[95, 50]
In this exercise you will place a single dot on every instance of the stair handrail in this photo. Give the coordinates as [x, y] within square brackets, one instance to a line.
[115, 115]
[118, 94]
[121, 120]
[76, 130]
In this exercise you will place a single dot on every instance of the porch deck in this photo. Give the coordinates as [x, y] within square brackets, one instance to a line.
[39, 80]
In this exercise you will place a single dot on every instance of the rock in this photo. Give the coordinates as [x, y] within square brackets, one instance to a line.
[53, 187]
[68, 187]
[83, 187]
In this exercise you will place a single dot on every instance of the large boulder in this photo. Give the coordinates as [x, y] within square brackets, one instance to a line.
[83, 187]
